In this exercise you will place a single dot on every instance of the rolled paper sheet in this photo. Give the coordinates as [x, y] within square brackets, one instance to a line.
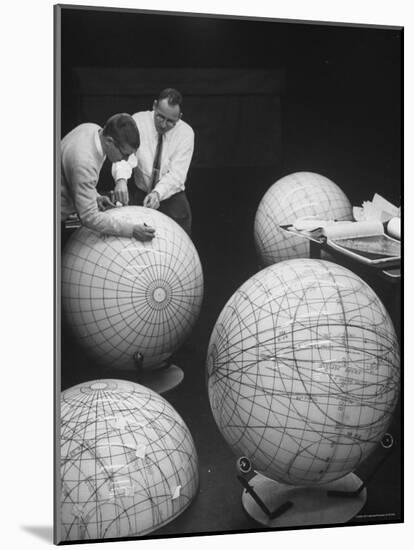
[394, 228]
[341, 230]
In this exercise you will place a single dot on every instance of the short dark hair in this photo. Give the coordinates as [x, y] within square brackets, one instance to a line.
[173, 96]
[123, 129]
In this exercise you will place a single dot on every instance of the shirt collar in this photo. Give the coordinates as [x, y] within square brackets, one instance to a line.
[99, 144]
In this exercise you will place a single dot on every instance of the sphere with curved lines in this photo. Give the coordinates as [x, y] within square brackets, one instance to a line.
[128, 462]
[123, 297]
[303, 371]
[292, 197]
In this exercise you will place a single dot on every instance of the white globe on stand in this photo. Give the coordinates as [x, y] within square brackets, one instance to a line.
[122, 296]
[128, 461]
[303, 371]
[292, 197]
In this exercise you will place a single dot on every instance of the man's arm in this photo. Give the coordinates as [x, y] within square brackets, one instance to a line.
[174, 180]
[121, 172]
[83, 184]
[104, 203]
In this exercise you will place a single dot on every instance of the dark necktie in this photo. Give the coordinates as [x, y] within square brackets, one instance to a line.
[157, 163]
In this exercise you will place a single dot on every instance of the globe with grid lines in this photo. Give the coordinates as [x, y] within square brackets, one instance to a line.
[123, 297]
[303, 371]
[298, 195]
[128, 461]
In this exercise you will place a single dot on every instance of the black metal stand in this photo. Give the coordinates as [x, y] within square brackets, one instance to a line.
[246, 473]
[275, 504]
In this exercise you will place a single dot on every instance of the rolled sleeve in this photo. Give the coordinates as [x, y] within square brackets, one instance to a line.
[123, 168]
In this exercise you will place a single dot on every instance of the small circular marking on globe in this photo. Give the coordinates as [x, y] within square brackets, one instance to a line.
[292, 197]
[159, 294]
[303, 371]
[98, 386]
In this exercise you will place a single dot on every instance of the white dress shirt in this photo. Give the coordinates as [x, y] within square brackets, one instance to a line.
[177, 152]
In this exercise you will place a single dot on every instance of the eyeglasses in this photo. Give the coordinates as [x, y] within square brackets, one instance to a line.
[168, 121]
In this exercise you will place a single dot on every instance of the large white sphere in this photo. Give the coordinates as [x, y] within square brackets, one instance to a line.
[303, 371]
[128, 461]
[123, 296]
[295, 196]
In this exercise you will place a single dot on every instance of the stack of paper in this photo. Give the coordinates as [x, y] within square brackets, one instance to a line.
[377, 209]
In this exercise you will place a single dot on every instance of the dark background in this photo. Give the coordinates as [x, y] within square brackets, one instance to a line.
[265, 98]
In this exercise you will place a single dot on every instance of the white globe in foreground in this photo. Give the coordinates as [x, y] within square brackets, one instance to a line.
[122, 296]
[295, 196]
[303, 371]
[128, 461]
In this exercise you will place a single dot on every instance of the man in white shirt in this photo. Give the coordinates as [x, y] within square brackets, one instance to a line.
[159, 167]
[83, 151]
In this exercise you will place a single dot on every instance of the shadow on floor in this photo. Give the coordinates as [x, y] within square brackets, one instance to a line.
[43, 532]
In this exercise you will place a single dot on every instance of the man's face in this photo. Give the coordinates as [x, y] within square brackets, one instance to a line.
[119, 151]
[165, 116]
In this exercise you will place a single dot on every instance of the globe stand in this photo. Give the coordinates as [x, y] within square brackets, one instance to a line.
[275, 504]
[387, 442]
[162, 379]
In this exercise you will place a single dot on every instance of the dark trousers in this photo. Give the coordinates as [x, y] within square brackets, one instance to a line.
[176, 207]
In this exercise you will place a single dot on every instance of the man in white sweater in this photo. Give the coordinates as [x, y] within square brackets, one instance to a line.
[83, 151]
[159, 167]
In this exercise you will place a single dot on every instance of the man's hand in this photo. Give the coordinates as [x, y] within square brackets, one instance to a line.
[143, 232]
[152, 200]
[104, 203]
[121, 192]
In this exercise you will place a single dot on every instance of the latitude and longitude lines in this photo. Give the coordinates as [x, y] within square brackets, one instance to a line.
[123, 296]
[303, 371]
[292, 197]
[128, 461]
